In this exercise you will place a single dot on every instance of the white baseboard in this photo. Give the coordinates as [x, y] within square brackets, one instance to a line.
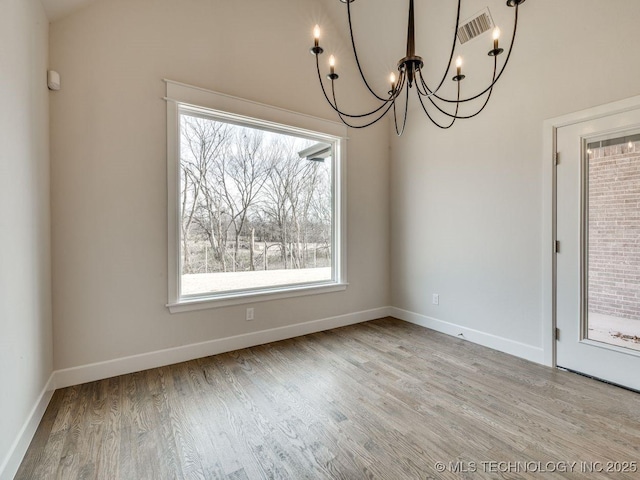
[522, 350]
[9, 466]
[136, 363]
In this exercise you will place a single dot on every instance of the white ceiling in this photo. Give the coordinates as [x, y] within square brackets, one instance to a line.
[57, 9]
[380, 31]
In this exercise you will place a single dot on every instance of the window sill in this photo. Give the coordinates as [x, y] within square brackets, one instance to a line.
[235, 298]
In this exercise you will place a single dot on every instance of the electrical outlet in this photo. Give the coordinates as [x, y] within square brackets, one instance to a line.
[436, 299]
[249, 314]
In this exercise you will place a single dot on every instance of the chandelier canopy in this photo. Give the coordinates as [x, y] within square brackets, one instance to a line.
[410, 74]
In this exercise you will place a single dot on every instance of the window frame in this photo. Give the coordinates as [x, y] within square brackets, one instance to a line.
[180, 98]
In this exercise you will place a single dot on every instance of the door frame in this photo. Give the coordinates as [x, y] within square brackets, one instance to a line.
[549, 205]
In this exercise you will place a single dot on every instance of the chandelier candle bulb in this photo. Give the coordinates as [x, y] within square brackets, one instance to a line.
[316, 49]
[392, 79]
[459, 75]
[332, 69]
[496, 49]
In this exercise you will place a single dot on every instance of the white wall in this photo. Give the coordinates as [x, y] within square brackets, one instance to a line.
[466, 204]
[25, 295]
[108, 147]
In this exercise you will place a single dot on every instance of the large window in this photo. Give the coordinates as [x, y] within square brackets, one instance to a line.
[255, 204]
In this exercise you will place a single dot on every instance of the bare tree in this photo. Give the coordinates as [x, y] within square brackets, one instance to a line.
[203, 141]
[242, 175]
[235, 180]
[290, 194]
[301, 196]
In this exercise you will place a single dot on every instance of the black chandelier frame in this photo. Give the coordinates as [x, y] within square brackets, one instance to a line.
[409, 74]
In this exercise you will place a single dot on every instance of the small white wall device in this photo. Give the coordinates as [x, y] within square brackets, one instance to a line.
[53, 80]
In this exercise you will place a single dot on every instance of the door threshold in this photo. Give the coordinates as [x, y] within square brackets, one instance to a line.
[598, 379]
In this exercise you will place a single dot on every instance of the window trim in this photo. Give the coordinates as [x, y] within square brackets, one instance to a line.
[236, 110]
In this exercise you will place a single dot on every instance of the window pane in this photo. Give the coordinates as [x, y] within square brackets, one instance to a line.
[613, 241]
[256, 208]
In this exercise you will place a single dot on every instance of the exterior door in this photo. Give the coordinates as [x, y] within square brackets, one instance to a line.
[598, 248]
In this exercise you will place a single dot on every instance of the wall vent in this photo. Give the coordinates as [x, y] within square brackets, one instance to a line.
[474, 26]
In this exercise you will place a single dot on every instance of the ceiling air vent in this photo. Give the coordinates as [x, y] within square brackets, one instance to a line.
[474, 26]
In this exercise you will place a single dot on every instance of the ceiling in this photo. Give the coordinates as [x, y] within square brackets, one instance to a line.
[380, 31]
[57, 9]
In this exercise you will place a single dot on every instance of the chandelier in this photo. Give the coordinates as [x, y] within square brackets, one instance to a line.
[409, 75]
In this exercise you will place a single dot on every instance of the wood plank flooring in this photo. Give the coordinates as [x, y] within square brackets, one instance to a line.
[383, 399]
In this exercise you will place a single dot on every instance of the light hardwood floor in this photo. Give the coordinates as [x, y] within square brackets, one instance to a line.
[383, 399]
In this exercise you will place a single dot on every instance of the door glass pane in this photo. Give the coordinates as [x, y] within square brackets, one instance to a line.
[613, 240]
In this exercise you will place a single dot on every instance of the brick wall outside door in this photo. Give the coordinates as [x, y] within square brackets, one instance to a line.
[614, 230]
